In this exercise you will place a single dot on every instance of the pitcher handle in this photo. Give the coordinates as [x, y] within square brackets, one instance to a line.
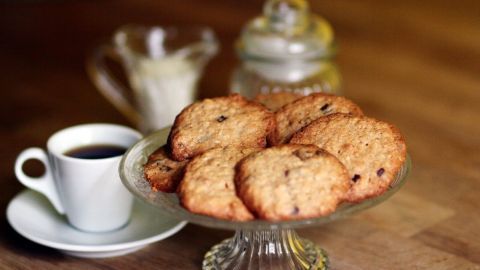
[107, 84]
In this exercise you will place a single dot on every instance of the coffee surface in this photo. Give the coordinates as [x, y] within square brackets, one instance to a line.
[96, 151]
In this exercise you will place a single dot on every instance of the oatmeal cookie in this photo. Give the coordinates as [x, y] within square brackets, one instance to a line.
[373, 151]
[290, 181]
[294, 116]
[162, 172]
[208, 186]
[220, 122]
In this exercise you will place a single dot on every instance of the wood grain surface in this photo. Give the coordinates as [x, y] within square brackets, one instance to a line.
[413, 63]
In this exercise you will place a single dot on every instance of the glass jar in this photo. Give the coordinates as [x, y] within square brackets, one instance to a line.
[287, 49]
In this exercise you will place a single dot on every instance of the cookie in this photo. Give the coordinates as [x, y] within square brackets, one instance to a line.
[373, 151]
[208, 186]
[162, 172]
[220, 122]
[290, 182]
[294, 116]
[274, 101]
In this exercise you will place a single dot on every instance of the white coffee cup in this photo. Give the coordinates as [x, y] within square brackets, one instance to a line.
[88, 191]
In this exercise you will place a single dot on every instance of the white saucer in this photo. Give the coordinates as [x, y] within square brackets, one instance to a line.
[32, 216]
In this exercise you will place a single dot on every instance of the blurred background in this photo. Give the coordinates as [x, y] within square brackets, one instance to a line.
[413, 63]
[44, 45]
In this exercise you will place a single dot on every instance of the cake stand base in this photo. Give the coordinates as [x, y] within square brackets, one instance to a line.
[265, 249]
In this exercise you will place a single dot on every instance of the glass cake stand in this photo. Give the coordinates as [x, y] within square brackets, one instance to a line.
[257, 244]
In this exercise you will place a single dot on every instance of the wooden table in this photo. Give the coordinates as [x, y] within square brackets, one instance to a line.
[413, 63]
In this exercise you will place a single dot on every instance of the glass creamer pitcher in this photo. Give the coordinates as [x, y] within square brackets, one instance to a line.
[163, 66]
[287, 49]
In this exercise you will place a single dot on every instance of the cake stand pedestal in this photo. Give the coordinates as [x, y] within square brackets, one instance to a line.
[265, 249]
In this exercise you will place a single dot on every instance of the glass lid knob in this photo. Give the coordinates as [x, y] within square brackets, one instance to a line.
[286, 16]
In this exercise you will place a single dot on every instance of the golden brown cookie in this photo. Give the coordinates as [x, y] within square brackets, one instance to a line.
[208, 186]
[220, 122]
[162, 172]
[294, 116]
[274, 101]
[373, 151]
[290, 181]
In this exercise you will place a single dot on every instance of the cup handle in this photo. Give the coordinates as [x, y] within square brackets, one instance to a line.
[43, 184]
[107, 84]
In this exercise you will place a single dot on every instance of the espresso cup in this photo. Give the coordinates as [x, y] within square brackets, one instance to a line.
[87, 189]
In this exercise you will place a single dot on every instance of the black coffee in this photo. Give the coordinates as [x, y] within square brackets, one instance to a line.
[96, 151]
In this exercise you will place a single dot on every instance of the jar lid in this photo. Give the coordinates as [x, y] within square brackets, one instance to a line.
[286, 30]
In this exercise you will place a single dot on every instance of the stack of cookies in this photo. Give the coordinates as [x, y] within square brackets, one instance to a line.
[279, 157]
